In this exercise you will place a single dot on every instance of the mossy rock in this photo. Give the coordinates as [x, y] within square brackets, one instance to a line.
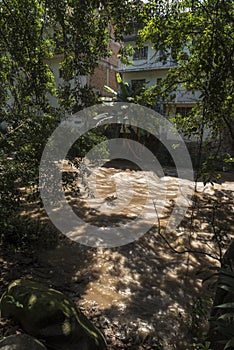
[49, 315]
[21, 342]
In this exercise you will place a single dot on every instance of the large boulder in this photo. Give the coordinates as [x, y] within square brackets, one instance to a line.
[49, 315]
[21, 342]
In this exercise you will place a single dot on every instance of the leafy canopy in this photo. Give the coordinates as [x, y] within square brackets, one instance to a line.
[200, 36]
[35, 34]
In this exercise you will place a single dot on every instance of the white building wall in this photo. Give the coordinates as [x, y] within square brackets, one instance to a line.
[151, 63]
[149, 76]
[54, 64]
[151, 69]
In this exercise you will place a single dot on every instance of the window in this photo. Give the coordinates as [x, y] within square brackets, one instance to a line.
[184, 111]
[137, 84]
[140, 53]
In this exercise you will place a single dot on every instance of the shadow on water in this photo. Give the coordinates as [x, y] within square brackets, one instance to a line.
[144, 291]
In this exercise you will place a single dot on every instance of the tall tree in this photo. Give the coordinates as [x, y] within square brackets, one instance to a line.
[199, 34]
[32, 34]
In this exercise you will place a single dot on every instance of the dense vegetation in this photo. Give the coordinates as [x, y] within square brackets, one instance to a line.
[33, 33]
[198, 33]
[199, 36]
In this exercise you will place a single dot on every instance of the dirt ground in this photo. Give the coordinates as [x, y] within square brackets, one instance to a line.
[147, 294]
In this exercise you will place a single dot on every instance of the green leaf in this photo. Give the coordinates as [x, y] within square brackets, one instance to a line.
[226, 316]
[118, 78]
[225, 306]
[109, 89]
[229, 344]
[225, 328]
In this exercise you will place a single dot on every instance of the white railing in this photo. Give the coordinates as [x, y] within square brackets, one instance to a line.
[184, 96]
[139, 65]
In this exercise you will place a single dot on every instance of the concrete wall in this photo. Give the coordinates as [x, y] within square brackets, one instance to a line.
[54, 64]
[151, 69]
[152, 61]
[105, 73]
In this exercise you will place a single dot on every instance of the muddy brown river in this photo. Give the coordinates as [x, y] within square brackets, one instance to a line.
[151, 283]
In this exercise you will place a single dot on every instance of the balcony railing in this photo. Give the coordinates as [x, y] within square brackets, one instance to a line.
[184, 96]
[148, 64]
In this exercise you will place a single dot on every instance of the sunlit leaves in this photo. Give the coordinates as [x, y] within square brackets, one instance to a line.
[200, 36]
[35, 36]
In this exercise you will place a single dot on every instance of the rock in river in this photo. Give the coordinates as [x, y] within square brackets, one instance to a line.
[21, 342]
[49, 315]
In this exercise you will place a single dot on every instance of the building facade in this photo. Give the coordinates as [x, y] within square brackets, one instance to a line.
[105, 72]
[148, 69]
